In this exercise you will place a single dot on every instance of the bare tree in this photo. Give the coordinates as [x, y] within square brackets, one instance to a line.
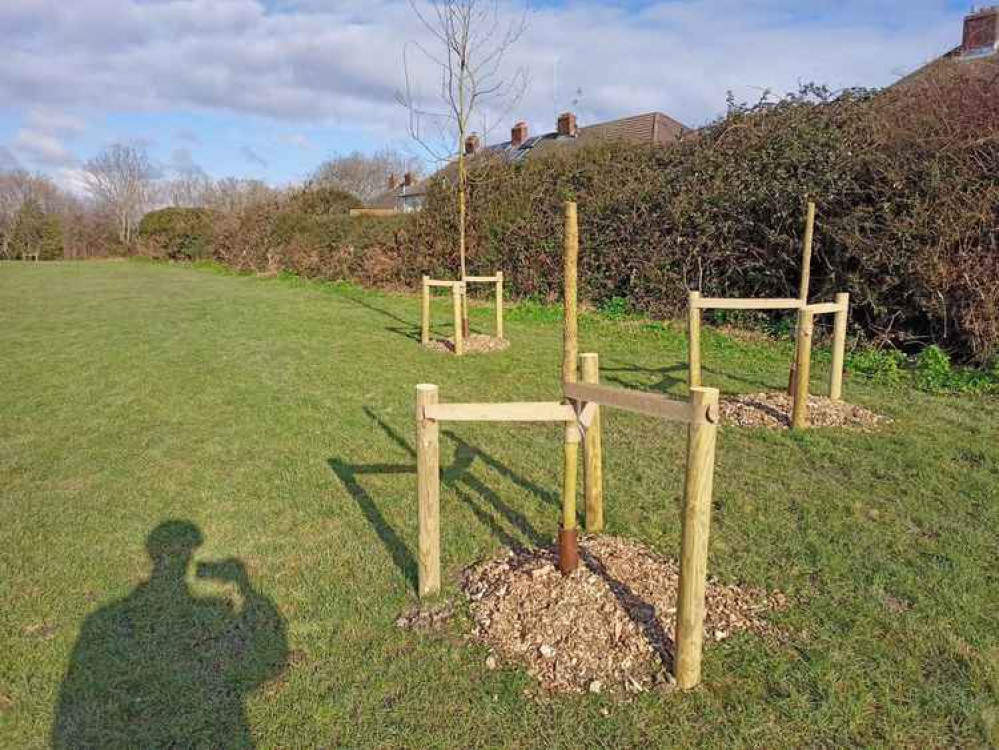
[232, 195]
[188, 191]
[365, 176]
[18, 188]
[121, 179]
[470, 41]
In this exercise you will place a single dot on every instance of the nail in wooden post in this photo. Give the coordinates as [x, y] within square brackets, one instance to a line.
[839, 346]
[425, 312]
[701, 439]
[568, 550]
[803, 284]
[428, 493]
[499, 304]
[803, 366]
[694, 340]
[458, 294]
[593, 469]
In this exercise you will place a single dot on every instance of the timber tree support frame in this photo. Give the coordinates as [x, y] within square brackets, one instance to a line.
[459, 292]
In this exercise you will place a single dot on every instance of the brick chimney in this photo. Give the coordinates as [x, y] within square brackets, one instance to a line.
[393, 181]
[407, 179]
[981, 31]
[567, 125]
[472, 144]
[518, 134]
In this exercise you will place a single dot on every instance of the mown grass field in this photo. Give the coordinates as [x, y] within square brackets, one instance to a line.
[276, 417]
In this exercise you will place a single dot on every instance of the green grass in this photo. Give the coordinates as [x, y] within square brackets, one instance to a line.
[277, 417]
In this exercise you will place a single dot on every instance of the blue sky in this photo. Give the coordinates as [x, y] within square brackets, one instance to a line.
[249, 88]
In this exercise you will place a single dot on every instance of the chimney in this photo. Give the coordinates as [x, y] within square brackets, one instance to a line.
[981, 32]
[393, 183]
[471, 144]
[518, 134]
[407, 179]
[567, 125]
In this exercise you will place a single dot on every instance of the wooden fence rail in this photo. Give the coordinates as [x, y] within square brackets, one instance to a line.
[459, 291]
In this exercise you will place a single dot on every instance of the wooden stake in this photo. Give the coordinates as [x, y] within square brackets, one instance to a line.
[568, 551]
[701, 440]
[499, 304]
[457, 295]
[425, 312]
[839, 346]
[803, 365]
[694, 339]
[593, 470]
[428, 490]
[803, 284]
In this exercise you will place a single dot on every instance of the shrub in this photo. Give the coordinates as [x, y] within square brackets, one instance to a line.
[37, 232]
[177, 233]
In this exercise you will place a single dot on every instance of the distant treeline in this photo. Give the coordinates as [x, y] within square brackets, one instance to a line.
[905, 182]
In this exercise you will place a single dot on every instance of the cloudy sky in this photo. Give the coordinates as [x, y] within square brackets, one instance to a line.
[268, 88]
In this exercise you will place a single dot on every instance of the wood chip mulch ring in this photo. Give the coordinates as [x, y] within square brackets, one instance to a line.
[773, 410]
[477, 343]
[608, 627]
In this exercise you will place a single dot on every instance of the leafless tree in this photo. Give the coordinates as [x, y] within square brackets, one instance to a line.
[188, 191]
[469, 43]
[365, 176]
[232, 195]
[121, 179]
[18, 187]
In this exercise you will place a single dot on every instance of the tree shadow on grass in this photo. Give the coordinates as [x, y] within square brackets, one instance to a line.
[667, 382]
[165, 668]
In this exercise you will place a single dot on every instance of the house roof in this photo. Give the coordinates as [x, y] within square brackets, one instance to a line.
[653, 128]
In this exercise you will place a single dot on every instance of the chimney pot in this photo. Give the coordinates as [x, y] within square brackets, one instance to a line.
[981, 31]
[407, 179]
[392, 181]
[518, 134]
[471, 144]
[567, 125]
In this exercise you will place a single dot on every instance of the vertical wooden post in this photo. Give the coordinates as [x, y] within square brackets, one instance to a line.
[839, 346]
[428, 490]
[567, 536]
[803, 284]
[499, 304]
[693, 340]
[701, 439]
[593, 469]
[425, 312]
[458, 297]
[803, 366]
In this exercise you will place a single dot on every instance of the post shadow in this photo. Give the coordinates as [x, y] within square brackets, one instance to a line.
[165, 668]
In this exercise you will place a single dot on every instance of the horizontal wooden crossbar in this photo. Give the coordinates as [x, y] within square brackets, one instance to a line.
[434, 282]
[482, 279]
[652, 404]
[746, 303]
[543, 411]
[825, 308]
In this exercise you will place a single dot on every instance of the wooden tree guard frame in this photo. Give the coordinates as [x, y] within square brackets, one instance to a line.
[459, 290]
[700, 413]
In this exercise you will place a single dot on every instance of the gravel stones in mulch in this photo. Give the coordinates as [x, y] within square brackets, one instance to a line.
[608, 627]
[773, 409]
[477, 343]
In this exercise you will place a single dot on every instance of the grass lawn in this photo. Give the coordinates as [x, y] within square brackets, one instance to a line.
[275, 419]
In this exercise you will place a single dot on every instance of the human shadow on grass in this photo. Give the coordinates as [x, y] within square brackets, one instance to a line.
[165, 668]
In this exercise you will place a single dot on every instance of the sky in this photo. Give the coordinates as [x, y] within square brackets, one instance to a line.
[267, 89]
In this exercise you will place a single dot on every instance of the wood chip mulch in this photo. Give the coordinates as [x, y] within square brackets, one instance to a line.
[773, 409]
[477, 343]
[608, 627]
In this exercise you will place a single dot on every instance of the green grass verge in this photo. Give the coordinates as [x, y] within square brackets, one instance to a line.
[277, 417]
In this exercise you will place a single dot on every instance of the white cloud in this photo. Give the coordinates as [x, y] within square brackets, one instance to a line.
[42, 149]
[338, 63]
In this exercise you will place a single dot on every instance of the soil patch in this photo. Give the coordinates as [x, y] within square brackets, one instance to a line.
[773, 410]
[477, 343]
[609, 626]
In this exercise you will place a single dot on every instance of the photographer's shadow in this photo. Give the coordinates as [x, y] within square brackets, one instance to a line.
[165, 668]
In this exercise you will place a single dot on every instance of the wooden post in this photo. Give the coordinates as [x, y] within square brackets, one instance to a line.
[593, 470]
[425, 312]
[499, 304]
[803, 284]
[803, 365]
[458, 295]
[428, 488]
[568, 549]
[694, 340]
[701, 439]
[839, 346]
